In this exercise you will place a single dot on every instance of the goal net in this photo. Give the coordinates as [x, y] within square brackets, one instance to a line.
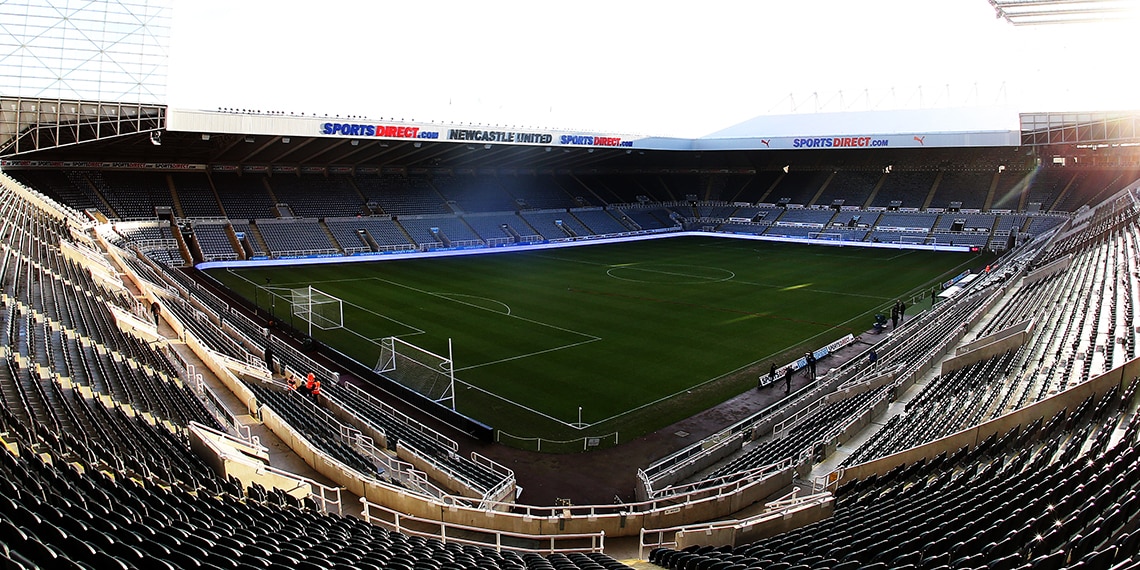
[420, 370]
[319, 309]
[832, 236]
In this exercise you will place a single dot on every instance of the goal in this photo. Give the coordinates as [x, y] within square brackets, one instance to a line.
[913, 239]
[830, 236]
[319, 309]
[418, 369]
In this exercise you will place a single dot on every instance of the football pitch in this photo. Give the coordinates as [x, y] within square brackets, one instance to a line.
[603, 339]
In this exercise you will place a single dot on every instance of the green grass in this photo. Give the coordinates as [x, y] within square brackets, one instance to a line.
[639, 334]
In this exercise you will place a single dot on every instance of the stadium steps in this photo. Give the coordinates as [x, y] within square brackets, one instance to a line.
[356, 189]
[993, 227]
[933, 189]
[328, 234]
[664, 187]
[994, 181]
[741, 190]
[183, 246]
[874, 192]
[404, 231]
[255, 235]
[81, 181]
[769, 190]
[822, 188]
[1064, 193]
[174, 201]
[235, 243]
[217, 198]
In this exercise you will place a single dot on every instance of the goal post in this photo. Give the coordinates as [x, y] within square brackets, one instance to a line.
[322, 310]
[918, 239]
[418, 369]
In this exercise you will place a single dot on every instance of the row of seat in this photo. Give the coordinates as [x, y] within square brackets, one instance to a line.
[1057, 495]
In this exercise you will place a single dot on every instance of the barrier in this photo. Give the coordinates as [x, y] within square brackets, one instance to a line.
[777, 516]
[555, 445]
[462, 534]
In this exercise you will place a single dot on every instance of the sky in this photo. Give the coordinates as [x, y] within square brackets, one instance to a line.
[660, 67]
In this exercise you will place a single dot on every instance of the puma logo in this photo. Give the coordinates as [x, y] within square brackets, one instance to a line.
[920, 140]
[766, 141]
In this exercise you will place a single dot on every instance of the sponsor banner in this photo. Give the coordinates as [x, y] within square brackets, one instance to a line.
[799, 225]
[864, 141]
[122, 165]
[956, 279]
[468, 134]
[839, 142]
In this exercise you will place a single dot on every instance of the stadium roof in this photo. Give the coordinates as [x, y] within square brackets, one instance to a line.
[1038, 12]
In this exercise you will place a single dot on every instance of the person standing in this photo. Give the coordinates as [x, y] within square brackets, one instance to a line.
[894, 317]
[873, 357]
[788, 379]
[811, 365]
[902, 311]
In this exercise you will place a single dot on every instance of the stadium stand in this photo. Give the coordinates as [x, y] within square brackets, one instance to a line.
[798, 187]
[473, 192]
[214, 241]
[196, 196]
[558, 224]
[310, 196]
[600, 222]
[907, 188]
[533, 192]
[243, 197]
[806, 216]
[379, 234]
[757, 186]
[1045, 187]
[967, 189]
[120, 462]
[59, 185]
[132, 195]
[994, 506]
[296, 238]
[649, 218]
[249, 238]
[397, 193]
[851, 187]
[499, 228]
[439, 231]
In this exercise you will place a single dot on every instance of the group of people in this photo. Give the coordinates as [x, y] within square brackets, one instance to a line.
[789, 371]
[310, 386]
[898, 312]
